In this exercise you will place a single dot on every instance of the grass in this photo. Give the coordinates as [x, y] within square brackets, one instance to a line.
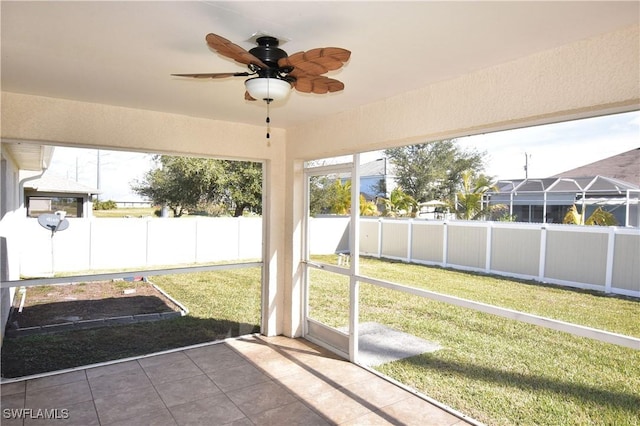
[498, 371]
[127, 212]
[221, 304]
[493, 369]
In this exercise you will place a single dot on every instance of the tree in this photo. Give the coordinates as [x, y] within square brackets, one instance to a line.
[241, 184]
[334, 196]
[469, 199]
[367, 208]
[184, 183]
[433, 171]
[319, 194]
[340, 197]
[399, 203]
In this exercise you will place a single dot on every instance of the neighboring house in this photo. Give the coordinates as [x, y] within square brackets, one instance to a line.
[548, 200]
[48, 193]
[612, 183]
[376, 178]
[624, 167]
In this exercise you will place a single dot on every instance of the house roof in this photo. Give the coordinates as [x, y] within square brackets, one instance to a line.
[564, 191]
[379, 167]
[27, 156]
[56, 184]
[624, 167]
[593, 184]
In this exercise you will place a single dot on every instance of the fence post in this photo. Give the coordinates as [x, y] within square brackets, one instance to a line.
[445, 243]
[379, 238]
[543, 252]
[611, 244]
[409, 239]
[487, 261]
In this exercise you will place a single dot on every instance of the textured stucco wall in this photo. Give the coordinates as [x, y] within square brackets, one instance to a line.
[591, 77]
[37, 118]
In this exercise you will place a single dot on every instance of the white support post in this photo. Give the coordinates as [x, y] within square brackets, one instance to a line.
[354, 249]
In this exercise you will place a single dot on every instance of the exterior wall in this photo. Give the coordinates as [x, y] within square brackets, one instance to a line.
[9, 260]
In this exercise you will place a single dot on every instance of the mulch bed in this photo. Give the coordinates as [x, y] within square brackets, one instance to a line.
[70, 303]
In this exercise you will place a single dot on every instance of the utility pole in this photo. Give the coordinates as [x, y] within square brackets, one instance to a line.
[526, 165]
[98, 173]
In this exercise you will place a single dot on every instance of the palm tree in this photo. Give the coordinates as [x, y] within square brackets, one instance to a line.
[367, 208]
[469, 200]
[340, 198]
[599, 217]
[399, 203]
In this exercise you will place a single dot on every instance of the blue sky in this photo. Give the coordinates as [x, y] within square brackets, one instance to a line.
[557, 147]
[552, 149]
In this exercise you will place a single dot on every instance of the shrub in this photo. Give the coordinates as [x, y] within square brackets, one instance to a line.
[105, 205]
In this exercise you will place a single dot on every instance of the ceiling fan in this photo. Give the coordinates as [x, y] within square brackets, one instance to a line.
[273, 73]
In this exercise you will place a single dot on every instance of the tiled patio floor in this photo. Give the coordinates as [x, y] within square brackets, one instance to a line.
[252, 380]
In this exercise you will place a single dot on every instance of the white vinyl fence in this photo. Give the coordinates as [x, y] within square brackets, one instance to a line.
[589, 257]
[598, 258]
[100, 244]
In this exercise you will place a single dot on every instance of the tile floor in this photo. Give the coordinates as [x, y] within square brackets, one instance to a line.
[247, 381]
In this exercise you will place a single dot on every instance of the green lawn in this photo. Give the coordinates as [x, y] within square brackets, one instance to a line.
[221, 304]
[127, 212]
[493, 369]
[497, 370]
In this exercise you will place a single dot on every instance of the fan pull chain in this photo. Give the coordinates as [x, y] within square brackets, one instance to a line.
[268, 121]
[268, 100]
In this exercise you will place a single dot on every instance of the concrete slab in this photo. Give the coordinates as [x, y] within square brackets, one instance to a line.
[379, 344]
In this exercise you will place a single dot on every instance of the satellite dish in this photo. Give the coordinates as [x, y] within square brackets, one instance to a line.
[53, 222]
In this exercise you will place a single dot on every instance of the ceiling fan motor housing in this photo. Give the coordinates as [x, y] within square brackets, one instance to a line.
[269, 53]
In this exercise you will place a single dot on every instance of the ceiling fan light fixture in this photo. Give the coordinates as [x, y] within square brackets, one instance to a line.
[268, 89]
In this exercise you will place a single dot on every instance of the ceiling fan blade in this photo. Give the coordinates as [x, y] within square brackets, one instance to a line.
[317, 84]
[248, 97]
[214, 75]
[316, 61]
[233, 51]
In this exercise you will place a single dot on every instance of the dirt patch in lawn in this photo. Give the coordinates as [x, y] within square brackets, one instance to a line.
[70, 303]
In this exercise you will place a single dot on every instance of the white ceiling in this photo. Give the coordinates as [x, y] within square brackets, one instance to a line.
[121, 53]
